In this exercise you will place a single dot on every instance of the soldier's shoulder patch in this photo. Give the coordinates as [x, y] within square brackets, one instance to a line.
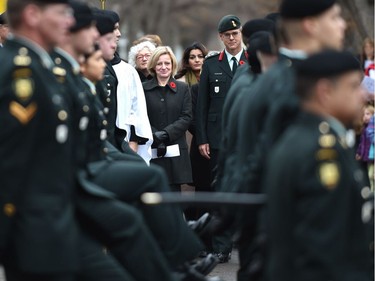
[22, 83]
[329, 174]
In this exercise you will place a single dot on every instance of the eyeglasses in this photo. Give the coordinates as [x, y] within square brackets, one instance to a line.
[227, 35]
[145, 56]
[193, 57]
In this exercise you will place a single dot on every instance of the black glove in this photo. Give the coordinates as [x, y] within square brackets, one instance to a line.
[160, 136]
[161, 150]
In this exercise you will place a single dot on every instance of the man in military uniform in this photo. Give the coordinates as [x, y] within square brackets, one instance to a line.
[215, 80]
[38, 232]
[313, 182]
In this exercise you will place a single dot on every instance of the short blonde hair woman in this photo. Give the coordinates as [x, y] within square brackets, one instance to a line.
[159, 51]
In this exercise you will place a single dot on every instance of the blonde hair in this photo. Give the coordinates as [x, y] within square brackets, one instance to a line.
[133, 52]
[159, 51]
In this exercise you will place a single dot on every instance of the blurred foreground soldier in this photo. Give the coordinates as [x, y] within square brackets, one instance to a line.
[38, 233]
[215, 80]
[314, 184]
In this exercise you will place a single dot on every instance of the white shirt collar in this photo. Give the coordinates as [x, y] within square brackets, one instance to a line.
[294, 54]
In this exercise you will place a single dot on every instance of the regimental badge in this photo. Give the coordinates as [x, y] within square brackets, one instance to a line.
[217, 89]
[329, 175]
[21, 113]
[327, 141]
[234, 23]
[23, 88]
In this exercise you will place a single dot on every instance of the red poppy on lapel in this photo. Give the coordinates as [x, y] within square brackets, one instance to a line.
[242, 62]
[172, 85]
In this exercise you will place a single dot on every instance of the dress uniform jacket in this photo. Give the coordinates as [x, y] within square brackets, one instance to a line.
[214, 84]
[169, 109]
[38, 233]
[314, 206]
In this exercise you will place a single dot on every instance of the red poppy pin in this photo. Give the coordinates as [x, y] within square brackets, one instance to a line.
[172, 85]
[242, 62]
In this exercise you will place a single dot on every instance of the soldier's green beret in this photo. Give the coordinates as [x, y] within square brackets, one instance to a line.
[297, 9]
[328, 64]
[83, 15]
[228, 22]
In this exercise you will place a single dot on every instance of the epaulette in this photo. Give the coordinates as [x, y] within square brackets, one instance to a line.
[212, 54]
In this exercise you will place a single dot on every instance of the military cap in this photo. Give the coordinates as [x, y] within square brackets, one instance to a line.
[228, 22]
[255, 25]
[104, 22]
[297, 9]
[83, 15]
[328, 64]
[261, 41]
[114, 16]
[2, 19]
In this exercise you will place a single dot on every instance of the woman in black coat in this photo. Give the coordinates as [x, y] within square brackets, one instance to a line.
[169, 110]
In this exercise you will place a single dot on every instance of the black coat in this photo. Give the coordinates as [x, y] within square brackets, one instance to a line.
[169, 109]
[214, 84]
[314, 206]
[37, 223]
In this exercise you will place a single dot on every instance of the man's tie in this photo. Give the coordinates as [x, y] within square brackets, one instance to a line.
[234, 67]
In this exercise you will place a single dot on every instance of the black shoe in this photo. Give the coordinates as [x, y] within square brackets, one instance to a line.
[206, 265]
[223, 257]
[199, 225]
